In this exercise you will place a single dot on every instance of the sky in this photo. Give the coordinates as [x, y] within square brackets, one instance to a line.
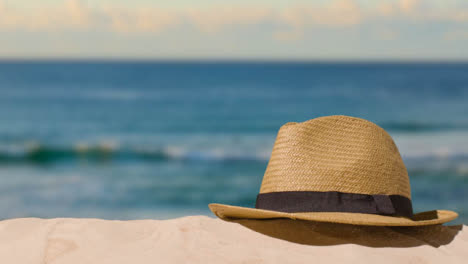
[235, 29]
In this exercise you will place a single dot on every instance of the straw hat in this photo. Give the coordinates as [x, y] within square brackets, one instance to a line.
[336, 169]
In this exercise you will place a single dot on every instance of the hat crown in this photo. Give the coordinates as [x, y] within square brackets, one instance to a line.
[336, 153]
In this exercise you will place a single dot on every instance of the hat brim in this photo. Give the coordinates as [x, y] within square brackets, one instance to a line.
[421, 219]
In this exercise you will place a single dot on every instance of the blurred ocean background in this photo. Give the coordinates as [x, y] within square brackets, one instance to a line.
[136, 139]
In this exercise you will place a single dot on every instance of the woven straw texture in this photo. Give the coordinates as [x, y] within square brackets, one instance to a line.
[227, 212]
[336, 153]
[341, 154]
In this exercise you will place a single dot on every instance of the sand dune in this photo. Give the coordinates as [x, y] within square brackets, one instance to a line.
[200, 239]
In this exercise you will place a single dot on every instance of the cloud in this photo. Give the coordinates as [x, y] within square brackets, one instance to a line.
[72, 15]
[408, 5]
[76, 15]
[287, 23]
[336, 13]
[398, 8]
[214, 18]
[461, 16]
[151, 20]
[422, 11]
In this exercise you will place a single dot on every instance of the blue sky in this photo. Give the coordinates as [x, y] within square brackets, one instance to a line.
[216, 29]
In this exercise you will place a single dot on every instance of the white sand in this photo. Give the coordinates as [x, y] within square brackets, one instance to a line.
[200, 239]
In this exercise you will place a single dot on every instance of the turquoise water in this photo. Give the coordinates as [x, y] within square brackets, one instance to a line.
[127, 140]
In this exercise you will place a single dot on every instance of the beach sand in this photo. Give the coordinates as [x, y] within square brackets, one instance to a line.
[201, 239]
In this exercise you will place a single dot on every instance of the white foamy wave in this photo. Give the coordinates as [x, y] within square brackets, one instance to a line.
[437, 144]
[216, 154]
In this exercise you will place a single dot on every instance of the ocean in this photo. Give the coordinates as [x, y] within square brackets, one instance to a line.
[149, 139]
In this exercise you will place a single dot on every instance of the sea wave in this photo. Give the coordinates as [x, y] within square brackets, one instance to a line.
[451, 160]
[448, 163]
[31, 152]
[415, 126]
[102, 152]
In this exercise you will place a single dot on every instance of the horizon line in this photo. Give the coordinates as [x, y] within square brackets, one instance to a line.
[233, 60]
